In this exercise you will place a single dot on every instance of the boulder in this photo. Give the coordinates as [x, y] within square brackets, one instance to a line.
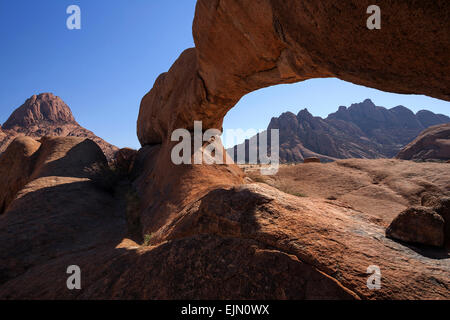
[418, 225]
[443, 209]
[27, 159]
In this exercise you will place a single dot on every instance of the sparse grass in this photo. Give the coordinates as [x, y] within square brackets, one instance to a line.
[287, 189]
[147, 238]
[299, 194]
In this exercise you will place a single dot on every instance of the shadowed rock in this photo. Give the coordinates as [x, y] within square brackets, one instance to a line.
[16, 167]
[418, 225]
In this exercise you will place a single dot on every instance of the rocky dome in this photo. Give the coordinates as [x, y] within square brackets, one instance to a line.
[44, 107]
[432, 144]
[47, 115]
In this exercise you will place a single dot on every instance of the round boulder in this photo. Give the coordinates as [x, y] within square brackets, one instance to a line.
[418, 225]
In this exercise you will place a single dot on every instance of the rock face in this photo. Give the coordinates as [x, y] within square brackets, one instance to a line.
[16, 167]
[430, 226]
[363, 130]
[286, 43]
[242, 46]
[376, 189]
[58, 211]
[418, 225]
[443, 209]
[211, 235]
[432, 144]
[40, 109]
[47, 115]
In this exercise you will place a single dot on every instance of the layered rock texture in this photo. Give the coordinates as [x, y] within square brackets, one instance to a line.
[210, 233]
[363, 130]
[432, 144]
[46, 115]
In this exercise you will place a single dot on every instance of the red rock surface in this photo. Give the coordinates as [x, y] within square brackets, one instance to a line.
[43, 108]
[16, 167]
[245, 46]
[47, 115]
[210, 235]
[418, 225]
[432, 144]
[285, 42]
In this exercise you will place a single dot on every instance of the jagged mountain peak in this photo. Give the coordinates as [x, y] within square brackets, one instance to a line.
[362, 130]
[304, 114]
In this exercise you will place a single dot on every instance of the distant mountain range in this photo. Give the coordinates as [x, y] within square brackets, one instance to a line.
[362, 130]
[46, 115]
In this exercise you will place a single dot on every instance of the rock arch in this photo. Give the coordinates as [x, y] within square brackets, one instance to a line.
[225, 234]
[242, 46]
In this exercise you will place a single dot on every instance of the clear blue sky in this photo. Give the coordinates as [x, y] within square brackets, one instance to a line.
[103, 70]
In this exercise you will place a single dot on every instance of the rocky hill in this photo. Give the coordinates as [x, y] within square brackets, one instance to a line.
[432, 144]
[46, 115]
[363, 130]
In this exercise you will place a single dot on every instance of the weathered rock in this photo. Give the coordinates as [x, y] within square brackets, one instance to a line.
[58, 210]
[27, 159]
[242, 46]
[432, 144]
[378, 189]
[124, 159]
[418, 225]
[47, 115]
[213, 237]
[16, 166]
[278, 43]
[443, 209]
[38, 109]
[335, 240]
[2, 134]
[311, 160]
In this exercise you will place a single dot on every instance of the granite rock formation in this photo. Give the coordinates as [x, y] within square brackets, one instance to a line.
[211, 235]
[418, 225]
[432, 144]
[46, 115]
[363, 130]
